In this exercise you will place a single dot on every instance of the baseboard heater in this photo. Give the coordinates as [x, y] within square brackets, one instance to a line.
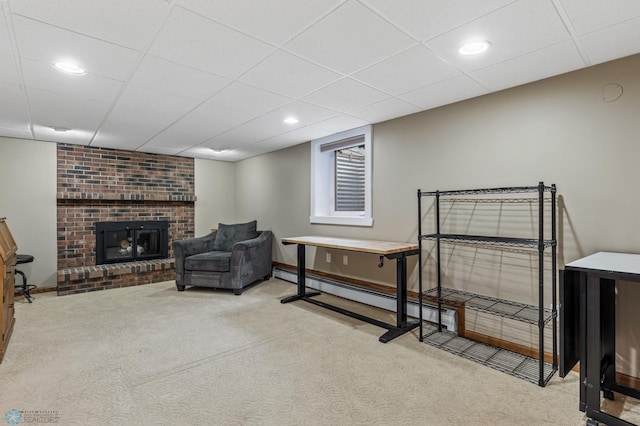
[369, 297]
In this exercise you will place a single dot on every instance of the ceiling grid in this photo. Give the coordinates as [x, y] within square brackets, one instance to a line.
[216, 79]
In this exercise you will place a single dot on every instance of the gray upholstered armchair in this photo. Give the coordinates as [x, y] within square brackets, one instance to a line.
[232, 257]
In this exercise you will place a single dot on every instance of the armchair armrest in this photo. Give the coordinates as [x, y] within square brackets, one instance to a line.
[251, 259]
[187, 247]
[262, 239]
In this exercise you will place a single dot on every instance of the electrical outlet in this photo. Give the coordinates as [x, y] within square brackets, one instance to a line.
[328, 258]
[345, 260]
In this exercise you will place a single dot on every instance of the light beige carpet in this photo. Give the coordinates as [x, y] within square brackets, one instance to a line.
[150, 355]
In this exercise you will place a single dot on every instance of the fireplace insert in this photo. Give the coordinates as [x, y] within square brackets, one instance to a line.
[130, 241]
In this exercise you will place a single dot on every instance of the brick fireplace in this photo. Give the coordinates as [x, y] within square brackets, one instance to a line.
[99, 185]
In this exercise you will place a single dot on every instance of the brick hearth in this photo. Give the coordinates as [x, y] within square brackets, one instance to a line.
[100, 184]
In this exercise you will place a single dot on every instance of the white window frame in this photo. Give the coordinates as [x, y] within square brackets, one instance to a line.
[323, 183]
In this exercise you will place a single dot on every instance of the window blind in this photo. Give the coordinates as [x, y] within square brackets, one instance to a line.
[350, 179]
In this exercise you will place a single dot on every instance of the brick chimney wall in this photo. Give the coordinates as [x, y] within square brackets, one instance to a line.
[101, 184]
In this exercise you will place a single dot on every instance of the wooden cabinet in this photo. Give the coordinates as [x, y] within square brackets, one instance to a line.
[7, 272]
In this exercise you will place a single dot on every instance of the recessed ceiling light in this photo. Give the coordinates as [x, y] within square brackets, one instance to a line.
[291, 120]
[218, 150]
[474, 48]
[69, 68]
[60, 129]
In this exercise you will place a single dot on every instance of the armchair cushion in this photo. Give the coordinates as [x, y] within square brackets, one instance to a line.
[215, 261]
[228, 235]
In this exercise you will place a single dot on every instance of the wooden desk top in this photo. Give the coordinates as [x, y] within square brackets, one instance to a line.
[366, 246]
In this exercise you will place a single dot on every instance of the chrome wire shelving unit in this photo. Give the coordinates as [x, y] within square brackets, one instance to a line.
[534, 370]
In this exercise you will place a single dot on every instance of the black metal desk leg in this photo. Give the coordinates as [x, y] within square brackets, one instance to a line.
[302, 270]
[402, 326]
[302, 278]
[401, 291]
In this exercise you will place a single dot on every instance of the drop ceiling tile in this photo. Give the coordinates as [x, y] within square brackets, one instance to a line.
[78, 137]
[258, 149]
[8, 71]
[345, 95]
[5, 41]
[129, 137]
[200, 125]
[193, 40]
[180, 80]
[408, 70]
[588, 16]
[227, 156]
[270, 125]
[305, 134]
[16, 131]
[245, 134]
[241, 97]
[240, 136]
[446, 92]
[305, 112]
[338, 124]
[612, 42]
[42, 76]
[513, 30]
[336, 42]
[160, 150]
[275, 21]
[427, 19]
[139, 115]
[315, 131]
[13, 108]
[385, 110]
[124, 22]
[46, 43]
[200, 152]
[151, 106]
[61, 110]
[288, 75]
[553, 60]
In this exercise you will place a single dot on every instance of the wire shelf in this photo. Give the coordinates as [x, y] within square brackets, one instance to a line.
[512, 363]
[518, 200]
[490, 241]
[492, 305]
[503, 190]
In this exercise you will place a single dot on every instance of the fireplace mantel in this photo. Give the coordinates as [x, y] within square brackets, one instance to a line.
[99, 196]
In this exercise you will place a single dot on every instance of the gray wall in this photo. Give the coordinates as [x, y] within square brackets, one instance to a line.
[215, 189]
[559, 130]
[28, 201]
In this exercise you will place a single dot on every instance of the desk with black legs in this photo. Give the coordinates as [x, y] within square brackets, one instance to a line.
[588, 327]
[390, 250]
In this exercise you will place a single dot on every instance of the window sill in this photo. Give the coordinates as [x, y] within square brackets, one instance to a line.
[342, 220]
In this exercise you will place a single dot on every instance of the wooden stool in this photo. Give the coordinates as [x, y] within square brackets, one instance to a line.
[24, 288]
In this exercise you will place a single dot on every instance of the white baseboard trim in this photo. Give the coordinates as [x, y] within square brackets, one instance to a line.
[369, 297]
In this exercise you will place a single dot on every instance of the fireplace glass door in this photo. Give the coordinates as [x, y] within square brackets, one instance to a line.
[129, 241]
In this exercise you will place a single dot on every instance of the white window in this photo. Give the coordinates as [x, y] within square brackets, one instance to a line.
[341, 178]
